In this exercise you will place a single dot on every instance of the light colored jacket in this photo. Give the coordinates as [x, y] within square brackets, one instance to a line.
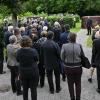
[11, 53]
[71, 53]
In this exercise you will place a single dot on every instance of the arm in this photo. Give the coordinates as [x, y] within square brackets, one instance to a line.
[93, 54]
[63, 54]
[36, 56]
[58, 51]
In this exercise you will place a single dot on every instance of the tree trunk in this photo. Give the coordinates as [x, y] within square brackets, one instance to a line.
[14, 19]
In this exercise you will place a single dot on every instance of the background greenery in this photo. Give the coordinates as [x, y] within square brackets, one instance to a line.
[81, 7]
[89, 42]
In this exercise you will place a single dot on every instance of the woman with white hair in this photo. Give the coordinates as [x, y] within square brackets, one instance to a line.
[22, 30]
[12, 63]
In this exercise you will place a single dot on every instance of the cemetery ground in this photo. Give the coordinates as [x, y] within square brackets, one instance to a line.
[88, 89]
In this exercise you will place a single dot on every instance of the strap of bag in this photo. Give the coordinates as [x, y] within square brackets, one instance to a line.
[82, 52]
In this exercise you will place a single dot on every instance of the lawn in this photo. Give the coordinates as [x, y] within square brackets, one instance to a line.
[89, 42]
[77, 28]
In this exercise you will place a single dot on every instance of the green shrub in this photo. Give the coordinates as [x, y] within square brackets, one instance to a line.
[42, 14]
[26, 14]
[67, 20]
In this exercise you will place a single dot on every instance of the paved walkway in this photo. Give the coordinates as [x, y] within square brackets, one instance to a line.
[88, 90]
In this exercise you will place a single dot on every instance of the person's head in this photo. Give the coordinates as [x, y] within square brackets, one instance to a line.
[44, 33]
[45, 28]
[34, 30]
[26, 42]
[72, 37]
[10, 29]
[16, 31]
[67, 28]
[88, 17]
[34, 37]
[12, 39]
[56, 24]
[22, 29]
[50, 35]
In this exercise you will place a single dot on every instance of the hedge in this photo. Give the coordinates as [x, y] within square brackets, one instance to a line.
[67, 20]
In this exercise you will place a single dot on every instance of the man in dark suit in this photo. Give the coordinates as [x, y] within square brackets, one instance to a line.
[89, 25]
[1, 51]
[51, 54]
[96, 60]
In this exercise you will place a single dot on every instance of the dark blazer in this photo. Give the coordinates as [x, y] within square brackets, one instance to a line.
[96, 53]
[6, 37]
[51, 54]
[27, 58]
[89, 23]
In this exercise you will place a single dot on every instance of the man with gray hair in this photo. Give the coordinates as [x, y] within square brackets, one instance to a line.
[8, 34]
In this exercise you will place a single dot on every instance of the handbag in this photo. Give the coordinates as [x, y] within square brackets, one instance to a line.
[84, 60]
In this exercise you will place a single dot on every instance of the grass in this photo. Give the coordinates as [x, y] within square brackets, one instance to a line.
[89, 42]
[77, 28]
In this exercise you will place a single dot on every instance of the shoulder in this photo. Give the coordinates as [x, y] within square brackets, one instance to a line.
[33, 50]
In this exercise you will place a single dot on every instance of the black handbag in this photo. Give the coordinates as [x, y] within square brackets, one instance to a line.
[84, 60]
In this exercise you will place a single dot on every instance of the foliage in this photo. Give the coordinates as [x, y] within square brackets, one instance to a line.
[89, 42]
[76, 28]
[81, 7]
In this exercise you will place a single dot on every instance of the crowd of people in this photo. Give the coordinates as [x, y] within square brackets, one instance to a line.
[37, 49]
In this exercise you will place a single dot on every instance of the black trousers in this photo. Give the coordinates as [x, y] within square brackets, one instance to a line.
[89, 30]
[50, 78]
[98, 77]
[1, 66]
[41, 74]
[74, 78]
[29, 83]
[15, 82]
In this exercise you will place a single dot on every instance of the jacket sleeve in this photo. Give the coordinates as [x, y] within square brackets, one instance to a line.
[58, 51]
[36, 56]
[93, 54]
[17, 55]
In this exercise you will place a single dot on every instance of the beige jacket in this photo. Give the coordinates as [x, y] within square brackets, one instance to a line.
[11, 53]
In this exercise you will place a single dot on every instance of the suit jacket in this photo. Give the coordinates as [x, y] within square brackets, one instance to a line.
[6, 37]
[89, 23]
[51, 54]
[96, 53]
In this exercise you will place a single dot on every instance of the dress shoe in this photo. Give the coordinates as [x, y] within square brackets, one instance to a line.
[3, 72]
[98, 90]
[90, 80]
[19, 93]
[63, 79]
[58, 90]
[73, 99]
[52, 92]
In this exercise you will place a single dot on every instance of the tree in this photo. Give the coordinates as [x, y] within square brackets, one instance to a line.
[15, 8]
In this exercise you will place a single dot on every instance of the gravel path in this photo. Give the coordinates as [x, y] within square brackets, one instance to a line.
[88, 90]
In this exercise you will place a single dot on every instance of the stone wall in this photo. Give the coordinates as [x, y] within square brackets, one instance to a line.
[95, 20]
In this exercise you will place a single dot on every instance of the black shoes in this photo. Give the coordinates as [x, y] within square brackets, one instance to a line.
[52, 92]
[19, 93]
[98, 90]
[3, 72]
[90, 80]
[58, 90]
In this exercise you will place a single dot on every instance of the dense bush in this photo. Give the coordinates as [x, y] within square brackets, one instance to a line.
[67, 20]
